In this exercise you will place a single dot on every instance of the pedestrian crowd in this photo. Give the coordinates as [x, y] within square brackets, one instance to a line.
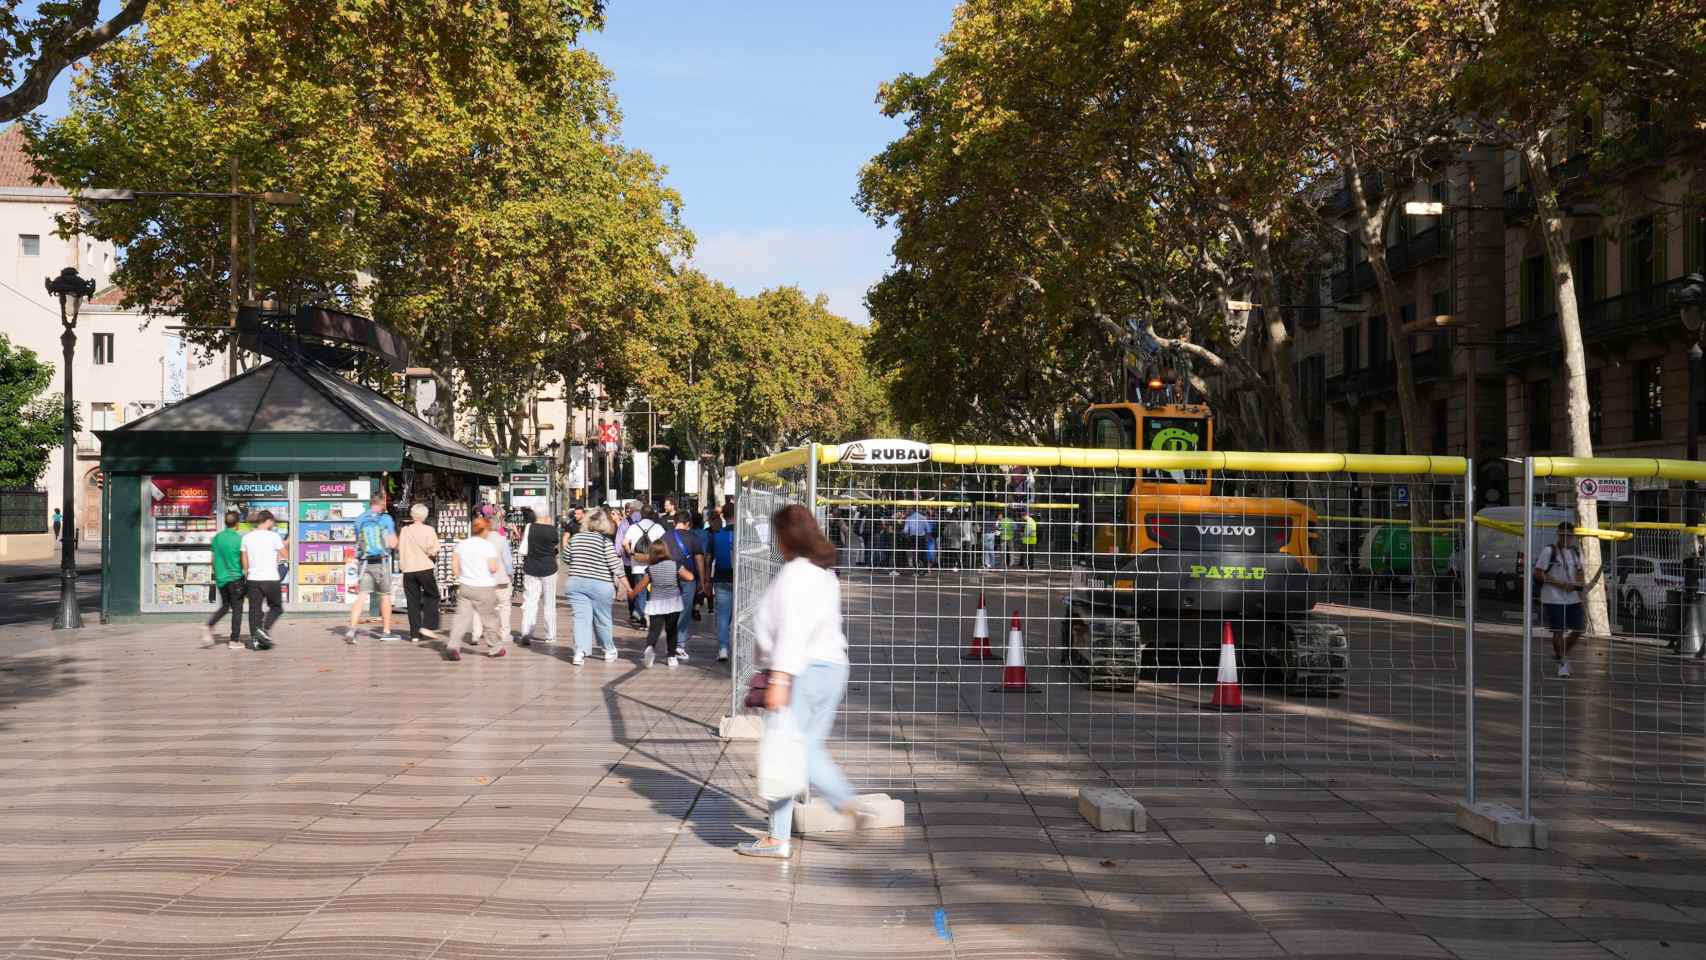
[923, 538]
[670, 566]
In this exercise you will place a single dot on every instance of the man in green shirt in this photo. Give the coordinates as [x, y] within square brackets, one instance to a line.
[228, 579]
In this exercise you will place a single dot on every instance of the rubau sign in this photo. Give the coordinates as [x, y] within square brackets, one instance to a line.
[884, 453]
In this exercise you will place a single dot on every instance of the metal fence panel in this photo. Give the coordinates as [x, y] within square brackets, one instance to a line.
[764, 488]
[1116, 587]
[1627, 726]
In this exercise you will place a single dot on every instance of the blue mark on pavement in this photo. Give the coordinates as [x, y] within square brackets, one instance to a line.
[942, 924]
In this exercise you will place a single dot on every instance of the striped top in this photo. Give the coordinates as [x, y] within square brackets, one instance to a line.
[590, 555]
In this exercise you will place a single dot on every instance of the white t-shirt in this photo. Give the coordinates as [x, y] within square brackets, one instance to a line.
[1568, 568]
[644, 528]
[262, 547]
[476, 555]
[799, 618]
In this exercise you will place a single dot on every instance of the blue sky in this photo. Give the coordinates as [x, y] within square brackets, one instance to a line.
[763, 112]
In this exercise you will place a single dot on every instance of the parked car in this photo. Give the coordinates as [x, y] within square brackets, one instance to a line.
[1640, 585]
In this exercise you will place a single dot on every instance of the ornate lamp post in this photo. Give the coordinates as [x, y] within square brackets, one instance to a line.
[71, 290]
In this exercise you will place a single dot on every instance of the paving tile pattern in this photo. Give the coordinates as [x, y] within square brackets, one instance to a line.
[161, 800]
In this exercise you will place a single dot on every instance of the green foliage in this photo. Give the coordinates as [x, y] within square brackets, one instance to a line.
[35, 48]
[31, 423]
[753, 375]
[460, 162]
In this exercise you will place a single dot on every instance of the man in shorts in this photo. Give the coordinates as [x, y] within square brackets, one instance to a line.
[375, 538]
[1558, 570]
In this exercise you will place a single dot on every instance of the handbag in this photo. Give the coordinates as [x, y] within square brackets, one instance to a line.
[755, 688]
[781, 757]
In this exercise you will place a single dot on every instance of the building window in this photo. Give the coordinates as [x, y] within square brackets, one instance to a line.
[1377, 346]
[1315, 398]
[1539, 415]
[103, 349]
[1349, 361]
[1353, 431]
[1595, 418]
[103, 416]
[1442, 425]
[1377, 423]
[1649, 398]
[29, 244]
[1533, 292]
[1650, 506]
[1582, 271]
[1640, 264]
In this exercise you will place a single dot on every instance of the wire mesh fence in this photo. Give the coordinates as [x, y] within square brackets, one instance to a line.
[765, 487]
[1052, 613]
[1618, 715]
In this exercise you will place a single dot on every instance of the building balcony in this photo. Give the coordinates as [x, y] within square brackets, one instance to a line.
[1426, 366]
[1428, 245]
[1339, 202]
[88, 445]
[1645, 311]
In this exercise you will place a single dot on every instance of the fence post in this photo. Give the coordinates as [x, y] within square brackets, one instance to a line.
[1527, 634]
[811, 482]
[742, 504]
[1471, 582]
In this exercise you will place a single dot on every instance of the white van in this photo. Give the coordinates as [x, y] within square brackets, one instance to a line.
[1500, 554]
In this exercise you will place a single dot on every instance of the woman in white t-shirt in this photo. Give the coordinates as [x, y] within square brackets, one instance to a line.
[475, 566]
[1558, 569]
[800, 643]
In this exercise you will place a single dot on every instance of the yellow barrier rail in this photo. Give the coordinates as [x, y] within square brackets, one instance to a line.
[1631, 467]
[1649, 525]
[1014, 456]
[796, 457]
[1515, 530]
[995, 504]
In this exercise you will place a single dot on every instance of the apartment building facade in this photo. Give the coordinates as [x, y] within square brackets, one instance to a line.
[1448, 266]
[125, 366]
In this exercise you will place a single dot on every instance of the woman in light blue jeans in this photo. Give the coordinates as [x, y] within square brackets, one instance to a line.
[798, 638]
[596, 581]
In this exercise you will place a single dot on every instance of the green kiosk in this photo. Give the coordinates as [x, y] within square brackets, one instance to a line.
[291, 436]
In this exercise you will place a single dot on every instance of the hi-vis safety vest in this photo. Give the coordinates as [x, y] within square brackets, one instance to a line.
[1030, 538]
[1007, 529]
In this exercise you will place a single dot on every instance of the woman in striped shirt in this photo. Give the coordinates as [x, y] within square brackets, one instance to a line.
[596, 580]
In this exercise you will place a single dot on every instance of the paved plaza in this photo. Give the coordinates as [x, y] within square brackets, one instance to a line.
[166, 800]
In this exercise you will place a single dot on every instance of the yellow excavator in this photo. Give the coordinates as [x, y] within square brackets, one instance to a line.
[1174, 558]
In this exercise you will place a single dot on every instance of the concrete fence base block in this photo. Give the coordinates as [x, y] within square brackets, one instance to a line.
[1110, 809]
[740, 726]
[882, 812]
[1502, 826]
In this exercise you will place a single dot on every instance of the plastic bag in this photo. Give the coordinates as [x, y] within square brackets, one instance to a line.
[781, 757]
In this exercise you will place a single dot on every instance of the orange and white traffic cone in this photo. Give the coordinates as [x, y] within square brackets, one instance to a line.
[1013, 674]
[1228, 694]
[980, 649]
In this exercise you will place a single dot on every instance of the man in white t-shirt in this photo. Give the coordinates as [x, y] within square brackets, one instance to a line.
[1558, 570]
[641, 534]
[263, 553]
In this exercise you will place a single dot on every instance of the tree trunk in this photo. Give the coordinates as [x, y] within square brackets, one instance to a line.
[1278, 338]
[1552, 227]
[1371, 222]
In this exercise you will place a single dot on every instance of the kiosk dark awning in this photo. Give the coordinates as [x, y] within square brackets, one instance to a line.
[285, 417]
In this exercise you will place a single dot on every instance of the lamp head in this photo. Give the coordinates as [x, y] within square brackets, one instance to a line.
[1690, 300]
[71, 289]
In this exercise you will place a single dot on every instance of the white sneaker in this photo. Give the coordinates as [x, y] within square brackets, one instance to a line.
[682, 656]
[580, 659]
[609, 656]
[349, 635]
[671, 662]
[1563, 668]
[549, 641]
[207, 636]
[894, 573]
[650, 658]
[234, 645]
[389, 637]
[722, 656]
[430, 634]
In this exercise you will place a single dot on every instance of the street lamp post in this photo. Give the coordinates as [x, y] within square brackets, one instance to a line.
[1690, 299]
[71, 289]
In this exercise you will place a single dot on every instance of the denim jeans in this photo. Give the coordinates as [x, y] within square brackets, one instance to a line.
[590, 600]
[725, 594]
[636, 598]
[817, 693]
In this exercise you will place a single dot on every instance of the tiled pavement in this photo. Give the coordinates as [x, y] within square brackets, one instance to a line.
[167, 801]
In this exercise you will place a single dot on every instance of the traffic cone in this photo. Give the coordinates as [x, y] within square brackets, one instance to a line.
[1228, 694]
[1013, 674]
[980, 649]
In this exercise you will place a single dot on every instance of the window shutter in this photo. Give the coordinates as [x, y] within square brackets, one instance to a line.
[1626, 280]
[1525, 293]
[1600, 289]
[1661, 251]
[1691, 242]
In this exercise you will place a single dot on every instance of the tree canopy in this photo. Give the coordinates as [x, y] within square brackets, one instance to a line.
[32, 421]
[461, 167]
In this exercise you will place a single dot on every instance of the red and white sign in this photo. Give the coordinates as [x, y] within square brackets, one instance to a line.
[610, 435]
[181, 496]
